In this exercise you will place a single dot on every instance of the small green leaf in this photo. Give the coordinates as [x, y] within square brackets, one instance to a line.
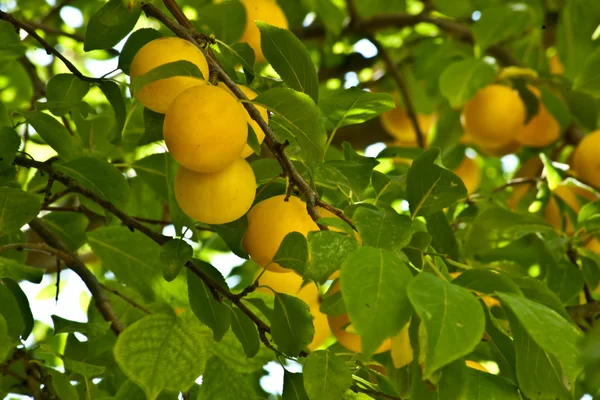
[296, 117]
[239, 53]
[291, 325]
[373, 285]
[331, 15]
[220, 382]
[115, 98]
[385, 229]
[11, 141]
[7, 343]
[326, 377]
[431, 187]
[23, 304]
[162, 352]
[333, 305]
[589, 216]
[61, 385]
[99, 176]
[588, 80]
[452, 317]
[17, 271]
[69, 227]
[552, 175]
[327, 249]
[111, 23]
[462, 79]
[583, 107]
[358, 169]
[153, 127]
[452, 383]
[54, 134]
[353, 106]
[293, 387]
[245, 331]
[84, 369]
[93, 329]
[65, 91]
[253, 140]
[486, 281]
[442, 235]
[502, 22]
[153, 171]
[136, 41]
[173, 255]
[216, 315]
[175, 68]
[12, 48]
[232, 234]
[226, 21]
[289, 58]
[292, 252]
[16, 209]
[11, 311]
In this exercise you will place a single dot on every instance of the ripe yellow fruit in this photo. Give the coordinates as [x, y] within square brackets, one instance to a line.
[396, 123]
[469, 171]
[532, 167]
[158, 95]
[476, 365]
[556, 66]
[205, 129]
[542, 130]
[494, 116]
[500, 151]
[268, 223]
[289, 283]
[586, 161]
[402, 351]
[218, 197]
[261, 10]
[260, 135]
[322, 331]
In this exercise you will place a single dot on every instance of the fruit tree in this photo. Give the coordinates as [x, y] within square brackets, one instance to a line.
[300, 199]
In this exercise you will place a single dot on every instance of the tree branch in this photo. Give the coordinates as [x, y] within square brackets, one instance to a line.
[125, 298]
[102, 302]
[49, 49]
[41, 247]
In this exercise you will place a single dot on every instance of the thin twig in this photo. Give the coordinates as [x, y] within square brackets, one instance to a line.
[374, 393]
[127, 299]
[517, 182]
[89, 279]
[55, 31]
[41, 247]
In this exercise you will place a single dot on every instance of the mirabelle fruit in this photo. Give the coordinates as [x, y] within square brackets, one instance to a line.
[532, 167]
[268, 223]
[261, 10]
[205, 129]
[260, 135]
[586, 161]
[289, 283]
[542, 130]
[500, 151]
[556, 66]
[219, 197]
[494, 116]
[402, 351]
[158, 95]
[469, 171]
[476, 365]
[322, 330]
[396, 123]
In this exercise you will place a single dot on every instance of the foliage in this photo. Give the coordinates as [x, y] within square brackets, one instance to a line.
[482, 284]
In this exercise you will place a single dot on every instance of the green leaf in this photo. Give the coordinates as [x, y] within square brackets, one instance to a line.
[220, 382]
[253, 140]
[111, 23]
[232, 234]
[486, 281]
[99, 176]
[94, 329]
[452, 318]
[289, 58]
[537, 320]
[12, 48]
[293, 387]
[328, 176]
[69, 227]
[153, 127]
[588, 79]
[54, 134]
[589, 216]
[216, 315]
[502, 22]
[291, 324]
[331, 15]
[16, 209]
[16, 271]
[462, 79]
[353, 106]
[162, 352]
[23, 304]
[431, 187]
[442, 235]
[7, 343]
[173, 255]
[175, 68]
[64, 92]
[358, 169]
[239, 53]
[136, 41]
[373, 285]
[11, 141]
[82, 368]
[61, 385]
[11, 311]
[115, 98]
[583, 107]
[292, 252]
[552, 175]
[153, 171]
[245, 331]
[326, 377]
[385, 229]
[230, 350]
[451, 385]
[453, 8]
[333, 305]
[327, 249]
[297, 117]
[226, 21]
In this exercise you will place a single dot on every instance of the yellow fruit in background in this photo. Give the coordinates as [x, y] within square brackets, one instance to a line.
[469, 171]
[476, 365]
[494, 116]
[289, 283]
[586, 159]
[205, 129]
[402, 351]
[322, 331]
[556, 66]
[397, 124]
[218, 197]
[261, 10]
[268, 223]
[542, 129]
[502, 150]
[569, 195]
[260, 135]
[158, 95]
[532, 167]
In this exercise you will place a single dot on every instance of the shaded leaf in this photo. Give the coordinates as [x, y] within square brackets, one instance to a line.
[111, 23]
[173, 255]
[65, 91]
[502, 22]
[292, 252]
[353, 106]
[220, 382]
[54, 134]
[245, 331]
[17, 271]
[326, 377]
[385, 229]
[10, 145]
[16, 209]
[462, 79]
[117, 102]
[293, 387]
[327, 250]
[69, 227]
[12, 48]
[291, 324]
